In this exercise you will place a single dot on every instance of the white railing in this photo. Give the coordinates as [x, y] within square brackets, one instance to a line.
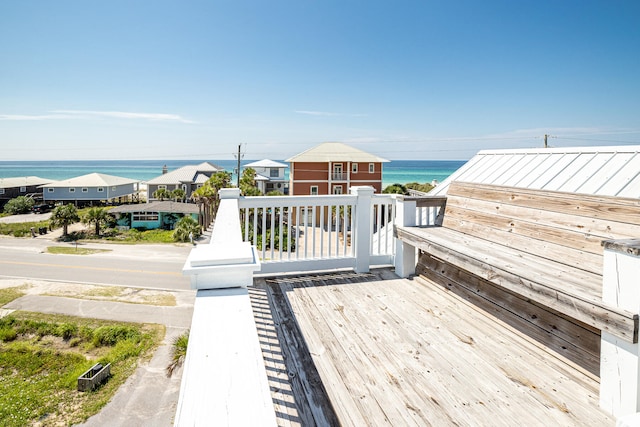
[302, 233]
[339, 176]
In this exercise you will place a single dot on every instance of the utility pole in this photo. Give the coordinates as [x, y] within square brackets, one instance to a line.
[545, 141]
[239, 157]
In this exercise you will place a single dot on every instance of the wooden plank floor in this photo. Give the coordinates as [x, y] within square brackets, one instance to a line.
[391, 351]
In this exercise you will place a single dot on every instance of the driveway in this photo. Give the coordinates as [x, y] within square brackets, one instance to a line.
[30, 217]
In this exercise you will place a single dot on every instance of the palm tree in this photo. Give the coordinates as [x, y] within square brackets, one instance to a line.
[186, 229]
[178, 194]
[63, 216]
[98, 217]
[207, 195]
[161, 194]
[248, 183]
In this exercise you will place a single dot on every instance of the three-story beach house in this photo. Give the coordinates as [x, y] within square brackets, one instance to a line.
[270, 176]
[332, 168]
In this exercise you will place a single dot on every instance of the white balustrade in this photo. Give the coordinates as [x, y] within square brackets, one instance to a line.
[302, 233]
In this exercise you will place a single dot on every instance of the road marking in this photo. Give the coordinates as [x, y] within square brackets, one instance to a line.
[170, 273]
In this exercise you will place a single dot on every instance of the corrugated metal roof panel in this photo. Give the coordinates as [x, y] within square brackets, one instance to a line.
[609, 170]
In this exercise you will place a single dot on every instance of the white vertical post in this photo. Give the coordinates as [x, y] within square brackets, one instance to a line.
[620, 359]
[405, 259]
[362, 238]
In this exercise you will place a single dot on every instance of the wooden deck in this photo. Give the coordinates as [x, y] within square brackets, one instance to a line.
[391, 351]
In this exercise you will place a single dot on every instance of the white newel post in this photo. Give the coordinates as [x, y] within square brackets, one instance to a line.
[620, 359]
[362, 237]
[227, 262]
[405, 259]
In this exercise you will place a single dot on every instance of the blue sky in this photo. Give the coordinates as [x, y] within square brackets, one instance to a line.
[402, 79]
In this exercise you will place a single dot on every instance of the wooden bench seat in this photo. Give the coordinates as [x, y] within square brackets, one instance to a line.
[542, 246]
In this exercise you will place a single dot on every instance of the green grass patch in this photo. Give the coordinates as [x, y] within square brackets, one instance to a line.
[73, 250]
[9, 294]
[41, 357]
[22, 229]
[118, 294]
[146, 236]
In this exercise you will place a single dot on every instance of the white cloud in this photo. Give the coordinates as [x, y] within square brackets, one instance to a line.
[127, 115]
[24, 117]
[84, 114]
[327, 114]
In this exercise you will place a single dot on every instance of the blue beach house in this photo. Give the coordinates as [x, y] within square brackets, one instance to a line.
[90, 188]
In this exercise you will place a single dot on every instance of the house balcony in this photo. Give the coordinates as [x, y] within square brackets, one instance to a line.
[339, 176]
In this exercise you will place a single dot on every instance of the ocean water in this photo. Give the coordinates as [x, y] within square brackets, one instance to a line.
[396, 171]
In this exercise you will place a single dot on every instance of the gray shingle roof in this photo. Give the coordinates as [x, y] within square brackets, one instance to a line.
[160, 206]
[184, 174]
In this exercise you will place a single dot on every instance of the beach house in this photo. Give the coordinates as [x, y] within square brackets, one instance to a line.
[29, 186]
[91, 188]
[508, 295]
[187, 178]
[333, 168]
[270, 176]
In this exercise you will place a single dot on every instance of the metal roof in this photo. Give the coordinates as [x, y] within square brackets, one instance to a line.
[92, 180]
[606, 171]
[266, 163]
[186, 173]
[23, 181]
[159, 206]
[335, 152]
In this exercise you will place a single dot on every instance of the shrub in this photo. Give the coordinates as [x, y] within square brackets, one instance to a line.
[111, 335]
[179, 351]
[7, 334]
[18, 205]
[67, 331]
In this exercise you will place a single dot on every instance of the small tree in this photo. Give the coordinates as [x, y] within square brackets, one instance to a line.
[63, 216]
[186, 228]
[18, 205]
[98, 217]
[161, 194]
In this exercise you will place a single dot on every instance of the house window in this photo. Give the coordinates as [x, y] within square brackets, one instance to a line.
[314, 190]
[162, 186]
[85, 190]
[337, 189]
[72, 190]
[23, 189]
[354, 168]
[372, 167]
[100, 189]
[145, 216]
[50, 190]
[273, 173]
[113, 188]
[1, 190]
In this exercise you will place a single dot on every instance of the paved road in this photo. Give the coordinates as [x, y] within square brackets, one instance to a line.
[148, 397]
[146, 266]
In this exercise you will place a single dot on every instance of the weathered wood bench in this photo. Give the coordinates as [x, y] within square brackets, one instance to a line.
[542, 247]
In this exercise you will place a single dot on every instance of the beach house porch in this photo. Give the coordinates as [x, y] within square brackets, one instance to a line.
[361, 345]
